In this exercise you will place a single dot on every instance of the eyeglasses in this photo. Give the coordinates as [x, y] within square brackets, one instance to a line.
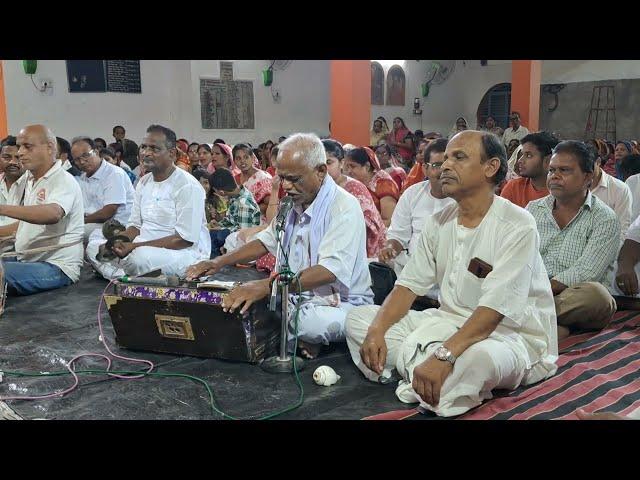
[84, 156]
[435, 164]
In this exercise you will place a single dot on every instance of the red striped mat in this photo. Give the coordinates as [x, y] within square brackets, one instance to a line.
[597, 371]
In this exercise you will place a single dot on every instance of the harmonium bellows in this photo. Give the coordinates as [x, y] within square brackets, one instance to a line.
[186, 320]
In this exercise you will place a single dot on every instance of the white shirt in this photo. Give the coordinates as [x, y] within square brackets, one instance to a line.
[56, 186]
[414, 206]
[173, 206]
[109, 185]
[342, 250]
[633, 182]
[519, 134]
[617, 195]
[11, 196]
[517, 287]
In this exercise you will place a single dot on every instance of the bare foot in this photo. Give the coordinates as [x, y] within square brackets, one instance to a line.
[309, 350]
[563, 332]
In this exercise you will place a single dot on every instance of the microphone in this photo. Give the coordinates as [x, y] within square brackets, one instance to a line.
[161, 281]
[286, 204]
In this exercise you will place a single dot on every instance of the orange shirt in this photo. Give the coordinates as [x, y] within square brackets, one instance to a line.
[521, 191]
[415, 175]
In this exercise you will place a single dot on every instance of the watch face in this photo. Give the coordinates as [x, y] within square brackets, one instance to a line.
[441, 353]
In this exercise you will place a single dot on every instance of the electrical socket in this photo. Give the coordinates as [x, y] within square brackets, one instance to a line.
[46, 86]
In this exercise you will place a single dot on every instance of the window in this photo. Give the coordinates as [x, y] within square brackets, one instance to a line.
[395, 86]
[377, 84]
[496, 103]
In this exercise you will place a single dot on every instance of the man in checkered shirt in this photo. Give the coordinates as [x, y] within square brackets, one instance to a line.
[579, 240]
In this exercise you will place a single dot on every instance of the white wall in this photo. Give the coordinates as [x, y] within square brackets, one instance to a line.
[93, 114]
[170, 96]
[304, 100]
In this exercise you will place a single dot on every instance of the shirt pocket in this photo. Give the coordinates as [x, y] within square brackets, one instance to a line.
[469, 289]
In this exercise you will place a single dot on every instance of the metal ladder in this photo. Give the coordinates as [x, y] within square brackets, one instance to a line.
[603, 110]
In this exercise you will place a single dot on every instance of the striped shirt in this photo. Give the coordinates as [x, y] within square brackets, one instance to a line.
[584, 250]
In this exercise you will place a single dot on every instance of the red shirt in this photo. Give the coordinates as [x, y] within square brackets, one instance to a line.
[521, 191]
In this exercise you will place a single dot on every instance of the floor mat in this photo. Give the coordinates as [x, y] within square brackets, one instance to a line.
[597, 371]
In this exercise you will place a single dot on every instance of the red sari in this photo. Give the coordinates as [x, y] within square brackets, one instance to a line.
[376, 229]
[398, 137]
[416, 175]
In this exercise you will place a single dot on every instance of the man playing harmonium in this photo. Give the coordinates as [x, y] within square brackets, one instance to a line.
[167, 229]
[325, 241]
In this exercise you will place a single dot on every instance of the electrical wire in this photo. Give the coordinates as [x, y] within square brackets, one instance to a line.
[133, 375]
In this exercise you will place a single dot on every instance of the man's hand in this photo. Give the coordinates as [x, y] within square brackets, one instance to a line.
[247, 294]
[627, 282]
[374, 350]
[428, 378]
[557, 287]
[122, 249]
[206, 267]
[387, 254]
[582, 415]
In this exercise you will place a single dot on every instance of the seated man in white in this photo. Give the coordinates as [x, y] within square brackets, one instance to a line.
[106, 189]
[417, 203]
[628, 265]
[48, 225]
[496, 326]
[325, 238]
[167, 227]
[14, 178]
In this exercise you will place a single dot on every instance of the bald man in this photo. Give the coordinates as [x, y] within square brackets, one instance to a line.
[49, 225]
[496, 326]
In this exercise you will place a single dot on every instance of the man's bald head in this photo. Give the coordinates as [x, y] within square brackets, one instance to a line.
[37, 148]
[473, 160]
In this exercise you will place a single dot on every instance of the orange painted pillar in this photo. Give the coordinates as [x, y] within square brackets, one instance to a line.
[351, 101]
[4, 130]
[525, 91]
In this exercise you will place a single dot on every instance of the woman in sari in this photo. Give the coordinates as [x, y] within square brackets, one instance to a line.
[363, 165]
[257, 181]
[460, 125]
[182, 158]
[397, 138]
[623, 149]
[376, 229]
[389, 164]
[377, 133]
[204, 156]
[416, 174]
[222, 157]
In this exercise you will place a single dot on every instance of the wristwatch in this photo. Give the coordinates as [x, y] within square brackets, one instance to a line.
[444, 354]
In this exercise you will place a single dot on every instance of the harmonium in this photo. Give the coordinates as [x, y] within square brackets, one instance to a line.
[187, 320]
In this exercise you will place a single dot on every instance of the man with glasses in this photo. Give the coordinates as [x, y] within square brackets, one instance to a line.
[50, 223]
[167, 228]
[13, 180]
[325, 240]
[496, 325]
[579, 240]
[417, 203]
[106, 190]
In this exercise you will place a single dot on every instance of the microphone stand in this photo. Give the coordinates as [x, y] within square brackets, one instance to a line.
[282, 363]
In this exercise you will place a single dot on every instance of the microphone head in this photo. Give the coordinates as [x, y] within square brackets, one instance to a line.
[286, 204]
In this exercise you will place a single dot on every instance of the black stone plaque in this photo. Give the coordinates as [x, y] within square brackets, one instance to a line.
[86, 76]
[123, 76]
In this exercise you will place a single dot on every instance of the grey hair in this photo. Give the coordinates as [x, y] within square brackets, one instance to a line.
[307, 148]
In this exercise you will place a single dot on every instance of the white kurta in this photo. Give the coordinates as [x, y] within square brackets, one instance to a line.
[617, 195]
[12, 196]
[160, 209]
[407, 221]
[524, 346]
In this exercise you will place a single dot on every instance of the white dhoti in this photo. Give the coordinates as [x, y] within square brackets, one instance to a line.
[614, 287]
[488, 364]
[89, 228]
[318, 323]
[142, 260]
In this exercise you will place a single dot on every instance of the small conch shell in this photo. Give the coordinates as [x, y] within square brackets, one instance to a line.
[325, 376]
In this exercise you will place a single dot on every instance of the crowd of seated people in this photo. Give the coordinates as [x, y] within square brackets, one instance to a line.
[512, 273]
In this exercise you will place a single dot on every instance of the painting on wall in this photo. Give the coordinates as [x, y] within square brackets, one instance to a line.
[377, 84]
[395, 86]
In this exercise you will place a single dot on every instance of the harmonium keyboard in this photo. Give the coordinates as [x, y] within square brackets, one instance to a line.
[187, 320]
